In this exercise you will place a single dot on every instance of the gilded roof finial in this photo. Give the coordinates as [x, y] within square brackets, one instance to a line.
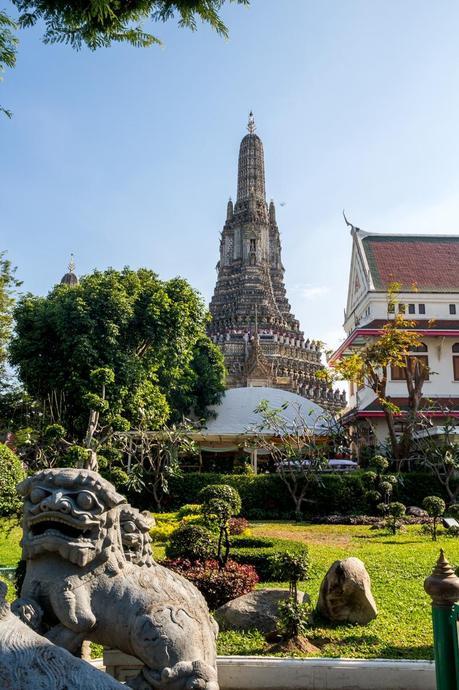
[251, 124]
[72, 264]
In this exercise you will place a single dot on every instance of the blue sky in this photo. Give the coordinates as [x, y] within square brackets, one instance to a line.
[127, 156]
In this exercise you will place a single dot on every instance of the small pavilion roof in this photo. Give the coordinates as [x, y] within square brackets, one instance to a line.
[235, 415]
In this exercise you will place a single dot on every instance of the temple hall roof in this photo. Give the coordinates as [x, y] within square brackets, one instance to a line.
[235, 414]
[420, 263]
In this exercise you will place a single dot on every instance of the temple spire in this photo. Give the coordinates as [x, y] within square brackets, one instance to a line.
[251, 124]
[70, 278]
[251, 169]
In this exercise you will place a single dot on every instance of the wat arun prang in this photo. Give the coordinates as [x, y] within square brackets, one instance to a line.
[252, 321]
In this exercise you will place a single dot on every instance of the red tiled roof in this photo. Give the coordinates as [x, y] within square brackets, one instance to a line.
[419, 324]
[427, 404]
[419, 263]
[430, 407]
[436, 328]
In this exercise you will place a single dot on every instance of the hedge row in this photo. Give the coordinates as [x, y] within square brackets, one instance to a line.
[259, 551]
[265, 496]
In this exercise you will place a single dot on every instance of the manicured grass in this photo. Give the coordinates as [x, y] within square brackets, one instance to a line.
[397, 567]
[10, 536]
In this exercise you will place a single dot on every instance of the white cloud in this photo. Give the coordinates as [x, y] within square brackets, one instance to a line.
[310, 292]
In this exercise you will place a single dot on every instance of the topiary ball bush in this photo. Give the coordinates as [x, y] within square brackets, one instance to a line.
[11, 473]
[192, 542]
[222, 492]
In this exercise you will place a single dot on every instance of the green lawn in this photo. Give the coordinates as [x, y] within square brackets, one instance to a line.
[10, 535]
[397, 567]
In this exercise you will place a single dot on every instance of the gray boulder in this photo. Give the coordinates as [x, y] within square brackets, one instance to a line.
[414, 511]
[258, 609]
[345, 593]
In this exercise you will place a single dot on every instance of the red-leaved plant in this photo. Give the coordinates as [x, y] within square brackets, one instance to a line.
[217, 585]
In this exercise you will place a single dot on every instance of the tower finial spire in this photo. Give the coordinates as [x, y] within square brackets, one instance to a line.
[251, 123]
[72, 263]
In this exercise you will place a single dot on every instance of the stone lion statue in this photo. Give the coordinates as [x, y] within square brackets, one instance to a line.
[78, 575]
[135, 535]
[29, 661]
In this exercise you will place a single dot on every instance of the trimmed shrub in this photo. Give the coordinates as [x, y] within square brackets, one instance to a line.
[218, 586]
[192, 542]
[238, 525]
[11, 473]
[222, 492]
[259, 552]
[161, 532]
[435, 507]
[189, 509]
[264, 496]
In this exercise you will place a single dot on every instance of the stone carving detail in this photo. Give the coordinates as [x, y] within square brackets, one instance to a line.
[345, 593]
[135, 535]
[78, 575]
[29, 661]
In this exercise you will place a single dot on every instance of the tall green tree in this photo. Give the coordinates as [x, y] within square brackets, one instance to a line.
[8, 285]
[99, 23]
[8, 44]
[149, 333]
[103, 22]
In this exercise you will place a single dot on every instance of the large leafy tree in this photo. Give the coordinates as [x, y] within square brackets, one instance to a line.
[8, 284]
[8, 43]
[102, 22]
[370, 367]
[149, 333]
[99, 23]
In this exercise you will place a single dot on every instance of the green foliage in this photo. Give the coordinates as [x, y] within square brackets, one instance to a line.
[294, 618]
[8, 45]
[220, 503]
[8, 282]
[380, 463]
[162, 531]
[222, 492]
[189, 509]
[395, 511]
[260, 553]
[11, 474]
[290, 566]
[193, 542]
[435, 507]
[121, 343]
[99, 24]
[453, 510]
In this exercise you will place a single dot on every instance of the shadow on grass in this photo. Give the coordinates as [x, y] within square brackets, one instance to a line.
[413, 653]
[321, 639]
[382, 538]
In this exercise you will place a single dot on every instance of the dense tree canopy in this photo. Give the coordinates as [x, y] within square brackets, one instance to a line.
[149, 333]
[8, 283]
[99, 23]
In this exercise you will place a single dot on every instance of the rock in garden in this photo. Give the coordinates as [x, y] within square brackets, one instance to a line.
[345, 593]
[258, 609]
[414, 511]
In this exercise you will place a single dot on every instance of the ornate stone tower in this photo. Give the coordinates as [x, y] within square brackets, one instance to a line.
[252, 321]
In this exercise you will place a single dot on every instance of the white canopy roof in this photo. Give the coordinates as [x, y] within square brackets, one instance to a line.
[235, 415]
